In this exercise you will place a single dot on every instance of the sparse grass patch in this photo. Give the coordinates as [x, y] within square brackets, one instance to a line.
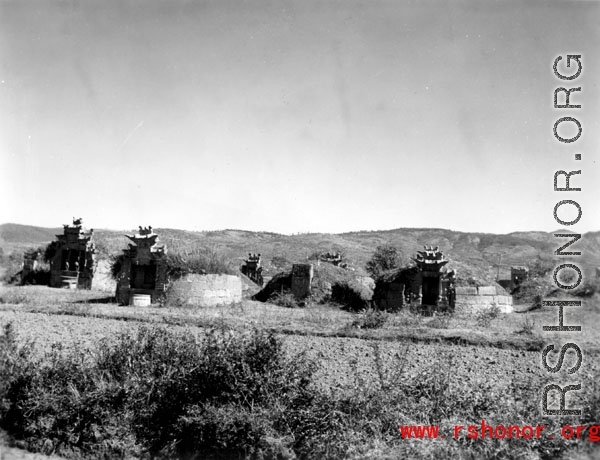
[284, 299]
[484, 317]
[370, 319]
[12, 297]
[407, 319]
[200, 261]
[441, 320]
[47, 296]
[527, 326]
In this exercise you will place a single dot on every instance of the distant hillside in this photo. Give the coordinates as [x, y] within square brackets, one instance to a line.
[481, 253]
[27, 234]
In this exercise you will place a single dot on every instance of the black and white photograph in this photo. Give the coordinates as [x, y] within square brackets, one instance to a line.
[299, 229]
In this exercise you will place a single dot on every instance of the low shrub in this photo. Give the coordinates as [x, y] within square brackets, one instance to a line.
[222, 397]
[531, 289]
[441, 320]
[12, 264]
[407, 318]
[484, 318]
[587, 289]
[13, 297]
[371, 319]
[284, 299]
[39, 276]
[12, 357]
[527, 326]
[229, 430]
[196, 261]
[59, 401]
[116, 262]
[352, 296]
[238, 395]
[280, 283]
[200, 261]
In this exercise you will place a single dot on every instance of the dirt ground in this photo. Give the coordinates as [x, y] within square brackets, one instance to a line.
[344, 361]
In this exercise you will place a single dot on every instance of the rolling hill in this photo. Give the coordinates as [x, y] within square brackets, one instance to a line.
[483, 254]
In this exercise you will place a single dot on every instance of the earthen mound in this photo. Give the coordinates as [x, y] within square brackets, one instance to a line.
[329, 284]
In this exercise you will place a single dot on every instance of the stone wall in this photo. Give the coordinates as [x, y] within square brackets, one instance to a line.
[205, 290]
[471, 299]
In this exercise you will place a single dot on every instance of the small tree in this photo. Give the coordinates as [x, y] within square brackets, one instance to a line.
[49, 251]
[385, 258]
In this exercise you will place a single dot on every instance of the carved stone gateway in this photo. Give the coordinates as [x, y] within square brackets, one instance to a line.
[30, 264]
[143, 269]
[334, 258]
[518, 274]
[427, 284]
[430, 263]
[252, 268]
[72, 265]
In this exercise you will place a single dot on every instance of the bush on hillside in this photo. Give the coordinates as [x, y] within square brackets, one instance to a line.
[280, 283]
[587, 288]
[197, 261]
[39, 276]
[351, 295]
[50, 251]
[13, 265]
[532, 290]
[284, 299]
[116, 263]
[385, 258]
[200, 261]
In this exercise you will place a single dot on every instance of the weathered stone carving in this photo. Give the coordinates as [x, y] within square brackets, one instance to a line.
[518, 274]
[334, 258]
[252, 268]
[426, 283]
[143, 267]
[302, 275]
[74, 257]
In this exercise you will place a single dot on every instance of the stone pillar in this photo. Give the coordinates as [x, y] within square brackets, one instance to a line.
[28, 266]
[301, 280]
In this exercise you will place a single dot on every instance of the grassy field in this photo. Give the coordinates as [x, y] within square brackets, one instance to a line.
[372, 373]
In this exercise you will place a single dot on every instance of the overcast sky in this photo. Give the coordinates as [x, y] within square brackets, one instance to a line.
[294, 116]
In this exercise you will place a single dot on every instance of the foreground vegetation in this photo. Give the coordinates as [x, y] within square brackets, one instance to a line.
[225, 383]
[166, 394]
